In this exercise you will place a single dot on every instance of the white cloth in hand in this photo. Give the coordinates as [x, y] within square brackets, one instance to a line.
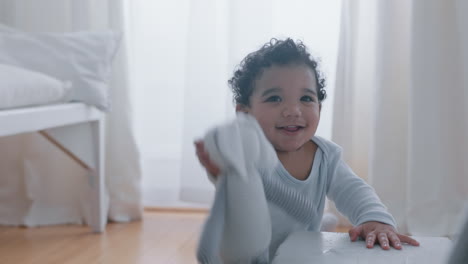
[238, 229]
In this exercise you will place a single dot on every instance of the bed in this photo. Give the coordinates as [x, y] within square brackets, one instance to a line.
[56, 84]
[77, 130]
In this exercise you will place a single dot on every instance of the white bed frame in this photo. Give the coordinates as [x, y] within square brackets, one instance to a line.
[77, 130]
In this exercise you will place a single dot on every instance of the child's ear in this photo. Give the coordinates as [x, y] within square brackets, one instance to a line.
[242, 108]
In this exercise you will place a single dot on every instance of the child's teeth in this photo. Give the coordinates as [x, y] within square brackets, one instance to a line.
[291, 128]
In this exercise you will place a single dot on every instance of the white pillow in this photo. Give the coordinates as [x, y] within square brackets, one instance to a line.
[20, 87]
[84, 58]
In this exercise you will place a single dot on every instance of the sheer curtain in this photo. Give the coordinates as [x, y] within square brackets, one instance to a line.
[49, 193]
[184, 54]
[401, 112]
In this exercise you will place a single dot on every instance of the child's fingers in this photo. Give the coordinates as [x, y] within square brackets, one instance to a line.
[201, 154]
[211, 167]
[395, 241]
[355, 232]
[200, 150]
[214, 170]
[409, 240]
[370, 239]
[199, 146]
[205, 160]
[383, 241]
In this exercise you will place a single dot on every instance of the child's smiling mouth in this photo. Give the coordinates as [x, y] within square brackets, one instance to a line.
[290, 129]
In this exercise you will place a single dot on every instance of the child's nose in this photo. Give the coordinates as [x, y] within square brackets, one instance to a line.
[292, 111]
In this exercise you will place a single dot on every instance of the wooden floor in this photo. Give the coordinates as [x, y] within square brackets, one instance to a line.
[162, 237]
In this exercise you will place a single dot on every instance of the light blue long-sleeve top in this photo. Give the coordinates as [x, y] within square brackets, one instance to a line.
[298, 205]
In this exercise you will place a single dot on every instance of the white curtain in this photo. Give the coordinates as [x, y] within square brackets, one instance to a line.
[401, 112]
[42, 186]
[185, 51]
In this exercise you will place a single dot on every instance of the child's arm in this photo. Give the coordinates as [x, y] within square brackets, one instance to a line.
[359, 202]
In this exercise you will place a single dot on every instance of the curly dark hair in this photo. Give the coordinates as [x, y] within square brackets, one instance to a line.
[275, 52]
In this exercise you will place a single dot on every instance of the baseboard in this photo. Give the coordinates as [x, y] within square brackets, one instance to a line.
[187, 210]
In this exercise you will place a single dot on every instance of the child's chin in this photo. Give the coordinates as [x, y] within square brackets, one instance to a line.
[288, 148]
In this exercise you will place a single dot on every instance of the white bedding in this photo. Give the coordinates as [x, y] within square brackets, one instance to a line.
[82, 58]
[20, 87]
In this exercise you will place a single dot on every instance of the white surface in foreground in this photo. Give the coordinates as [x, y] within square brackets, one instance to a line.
[336, 248]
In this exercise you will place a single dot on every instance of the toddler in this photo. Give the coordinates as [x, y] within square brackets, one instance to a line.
[281, 87]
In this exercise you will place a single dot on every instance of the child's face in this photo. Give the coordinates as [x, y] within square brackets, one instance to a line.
[285, 104]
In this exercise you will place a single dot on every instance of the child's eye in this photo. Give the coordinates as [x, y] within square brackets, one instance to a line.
[307, 98]
[273, 98]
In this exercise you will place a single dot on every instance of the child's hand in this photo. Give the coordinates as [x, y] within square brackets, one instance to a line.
[204, 159]
[385, 234]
